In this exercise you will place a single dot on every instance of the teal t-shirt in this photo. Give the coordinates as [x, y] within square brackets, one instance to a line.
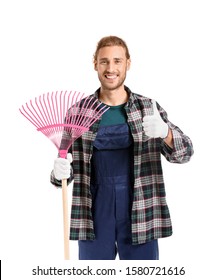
[115, 115]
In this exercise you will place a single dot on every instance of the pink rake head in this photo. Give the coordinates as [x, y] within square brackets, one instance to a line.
[63, 116]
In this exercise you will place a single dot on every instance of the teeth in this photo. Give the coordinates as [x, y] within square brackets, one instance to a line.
[111, 76]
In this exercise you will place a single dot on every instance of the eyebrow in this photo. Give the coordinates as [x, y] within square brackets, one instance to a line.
[115, 58]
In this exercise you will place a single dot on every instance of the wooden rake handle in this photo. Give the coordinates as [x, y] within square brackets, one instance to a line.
[65, 219]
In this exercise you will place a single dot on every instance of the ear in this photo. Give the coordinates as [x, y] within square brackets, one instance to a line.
[128, 64]
[95, 65]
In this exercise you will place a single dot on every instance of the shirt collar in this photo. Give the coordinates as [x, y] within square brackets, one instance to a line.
[131, 98]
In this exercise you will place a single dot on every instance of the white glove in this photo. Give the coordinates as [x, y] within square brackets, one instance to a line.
[62, 167]
[153, 125]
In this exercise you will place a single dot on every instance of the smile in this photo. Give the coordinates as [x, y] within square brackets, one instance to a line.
[111, 77]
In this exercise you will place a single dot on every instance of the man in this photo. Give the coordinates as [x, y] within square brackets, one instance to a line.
[119, 204]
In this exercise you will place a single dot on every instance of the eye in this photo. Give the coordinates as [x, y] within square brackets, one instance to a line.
[118, 61]
[103, 62]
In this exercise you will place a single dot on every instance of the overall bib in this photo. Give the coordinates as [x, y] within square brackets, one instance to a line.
[112, 195]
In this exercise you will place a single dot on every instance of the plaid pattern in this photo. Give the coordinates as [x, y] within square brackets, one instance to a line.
[150, 217]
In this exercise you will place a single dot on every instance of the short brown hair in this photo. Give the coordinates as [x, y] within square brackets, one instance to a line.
[111, 41]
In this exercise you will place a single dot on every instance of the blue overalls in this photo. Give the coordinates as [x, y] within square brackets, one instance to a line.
[112, 191]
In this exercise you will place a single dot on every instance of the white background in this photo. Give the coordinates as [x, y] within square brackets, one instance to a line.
[49, 45]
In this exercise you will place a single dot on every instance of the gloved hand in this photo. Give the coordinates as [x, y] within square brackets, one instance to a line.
[153, 125]
[62, 167]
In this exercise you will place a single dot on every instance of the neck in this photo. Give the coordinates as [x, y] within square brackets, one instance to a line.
[113, 97]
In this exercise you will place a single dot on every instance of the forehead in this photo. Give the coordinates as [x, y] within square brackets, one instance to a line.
[112, 52]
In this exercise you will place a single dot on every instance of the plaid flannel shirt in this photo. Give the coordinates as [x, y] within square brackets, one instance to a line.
[150, 218]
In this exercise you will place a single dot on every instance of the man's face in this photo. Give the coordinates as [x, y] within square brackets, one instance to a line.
[112, 65]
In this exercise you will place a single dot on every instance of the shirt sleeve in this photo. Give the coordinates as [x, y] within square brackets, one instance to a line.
[182, 145]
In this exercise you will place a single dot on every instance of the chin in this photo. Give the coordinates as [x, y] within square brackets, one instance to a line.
[112, 86]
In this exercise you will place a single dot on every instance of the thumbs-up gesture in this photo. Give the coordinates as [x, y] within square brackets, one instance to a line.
[153, 125]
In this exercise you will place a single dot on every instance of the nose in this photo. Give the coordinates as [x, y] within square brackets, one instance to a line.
[110, 66]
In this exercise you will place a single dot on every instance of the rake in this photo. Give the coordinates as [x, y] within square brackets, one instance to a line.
[63, 117]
